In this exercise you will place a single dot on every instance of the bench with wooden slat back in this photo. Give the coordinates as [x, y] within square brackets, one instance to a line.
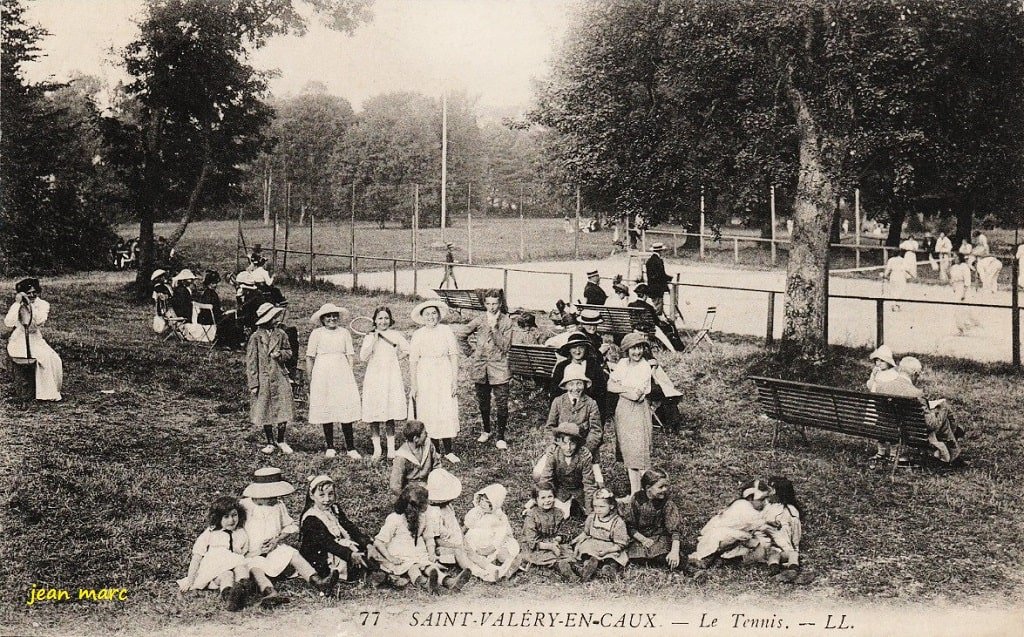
[892, 419]
[623, 320]
[462, 299]
[532, 361]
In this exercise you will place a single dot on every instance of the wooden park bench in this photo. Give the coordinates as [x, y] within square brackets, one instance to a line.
[532, 361]
[623, 320]
[459, 300]
[893, 419]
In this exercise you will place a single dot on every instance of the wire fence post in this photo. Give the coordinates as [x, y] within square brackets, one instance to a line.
[576, 234]
[879, 322]
[394, 276]
[355, 271]
[522, 235]
[352, 231]
[1015, 308]
[238, 243]
[735, 250]
[571, 286]
[675, 244]
[469, 221]
[312, 267]
[702, 222]
[773, 224]
[856, 225]
[287, 223]
[769, 336]
[415, 229]
[273, 248]
[504, 282]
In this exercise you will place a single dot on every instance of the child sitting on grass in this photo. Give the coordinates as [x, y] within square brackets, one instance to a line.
[654, 522]
[490, 544]
[784, 515]
[329, 541]
[737, 531]
[602, 544]
[267, 523]
[406, 544]
[449, 541]
[218, 555]
[414, 460]
[542, 533]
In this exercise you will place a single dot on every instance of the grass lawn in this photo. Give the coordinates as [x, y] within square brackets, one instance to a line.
[110, 489]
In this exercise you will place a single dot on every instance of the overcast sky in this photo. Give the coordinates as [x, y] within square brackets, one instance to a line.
[489, 48]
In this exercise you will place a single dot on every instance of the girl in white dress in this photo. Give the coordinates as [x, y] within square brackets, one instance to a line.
[898, 271]
[333, 393]
[406, 541]
[218, 555]
[27, 314]
[433, 375]
[910, 248]
[383, 389]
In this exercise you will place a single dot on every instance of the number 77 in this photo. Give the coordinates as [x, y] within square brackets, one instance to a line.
[365, 617]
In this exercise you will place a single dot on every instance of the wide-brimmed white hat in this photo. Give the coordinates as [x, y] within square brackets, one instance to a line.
[883, 353]
[632, 340]
[184, 275]
[589, 317]
[658, 246]
[910, 365]
[574, 373]
[157, 274]
[266, 312]
[268, 483]
[443, 486]
[417, 312]
[327, 308]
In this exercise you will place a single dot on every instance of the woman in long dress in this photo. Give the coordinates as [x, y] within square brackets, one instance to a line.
[910, 247]
[383, 389]
[27, 315]
[433, 375]
[631, 380]
[960, 278]
[333, 393]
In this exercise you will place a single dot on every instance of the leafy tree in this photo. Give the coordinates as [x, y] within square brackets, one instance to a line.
[198, 110]
[51, 216]
[657, 99]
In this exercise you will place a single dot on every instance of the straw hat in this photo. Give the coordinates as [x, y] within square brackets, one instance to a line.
[575, 340]
[568, 429]
[593, 273]
[157, 274]
[910, 365]
[574, 373]
[268, 483]
[266, 312]
[443, 486]
[658, 247]
[325, 309]
[632, 340]
[184, 275]
[417, 312]
[883, 353]
[589, 317]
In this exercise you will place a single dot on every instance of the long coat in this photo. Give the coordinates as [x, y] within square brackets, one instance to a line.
[657, 279]
[488, 363]
[273, 402]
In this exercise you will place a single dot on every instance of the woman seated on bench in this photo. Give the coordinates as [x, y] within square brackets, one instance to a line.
[27, 314]
[943, 434]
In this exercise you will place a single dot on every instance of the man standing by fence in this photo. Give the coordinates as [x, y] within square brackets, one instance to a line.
[592, 292]
[657, 279]
[449, 267]
[488, 364]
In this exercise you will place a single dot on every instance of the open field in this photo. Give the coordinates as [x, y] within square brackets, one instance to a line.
[109, 489]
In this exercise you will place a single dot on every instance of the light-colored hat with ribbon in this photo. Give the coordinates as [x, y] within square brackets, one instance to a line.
[589, 317]
[574, 373]
[883, 353]
[157, 274]
[268, 483]
[632, 340]
[184, 275]
[267, 312]
[417, 312]
[657, 247]
[442, 486]
[325, 309]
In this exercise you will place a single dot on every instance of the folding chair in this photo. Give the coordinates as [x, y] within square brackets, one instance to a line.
[703, 335]
[172, 322]
[198, 332]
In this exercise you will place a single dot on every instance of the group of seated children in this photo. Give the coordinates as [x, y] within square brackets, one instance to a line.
[761, 526]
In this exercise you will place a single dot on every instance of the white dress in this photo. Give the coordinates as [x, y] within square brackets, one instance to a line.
[898, 271]
[1020, 268]
[383, 388]
[49, 367]
[430, 352]
[910, 248]
[333, 393]
[263, 522]
[221, 551]
[408, 552]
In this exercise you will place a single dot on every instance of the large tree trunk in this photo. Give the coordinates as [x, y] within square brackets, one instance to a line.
[813, 210]
[193, 199]
[147, 205]
[964, 223]
[896, 221]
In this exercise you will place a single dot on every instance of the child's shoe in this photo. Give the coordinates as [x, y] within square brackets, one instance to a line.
[330, 453]
[566, 571]
[238, 596]
[269, 449]
[501, 444]
[506, 571]
[774, 569]
[377, 579]
[456, 583]
[452, 458]
[324, 582]
[434, 581]
[272, 598]
[609, 571]
[355, 455]
[589, 569]
[285, 448]
[484, 437]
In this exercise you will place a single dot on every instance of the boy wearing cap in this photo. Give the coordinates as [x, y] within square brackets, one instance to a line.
[579, 352]
[592, 292]
[568, 466]
[576, 407]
